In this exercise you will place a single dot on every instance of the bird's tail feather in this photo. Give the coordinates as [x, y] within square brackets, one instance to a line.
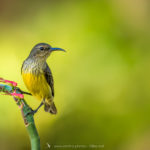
[51, 108]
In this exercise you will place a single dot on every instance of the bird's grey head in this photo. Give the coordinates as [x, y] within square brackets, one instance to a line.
[42, 51]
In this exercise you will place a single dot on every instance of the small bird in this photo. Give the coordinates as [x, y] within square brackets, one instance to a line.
[38, 78]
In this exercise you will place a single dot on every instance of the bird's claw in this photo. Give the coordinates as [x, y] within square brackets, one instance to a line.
[32, 112]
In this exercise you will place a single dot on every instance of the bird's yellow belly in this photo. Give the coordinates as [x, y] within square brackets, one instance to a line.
[37, 85]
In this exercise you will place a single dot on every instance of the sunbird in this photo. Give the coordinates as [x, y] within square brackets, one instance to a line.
[38, 78]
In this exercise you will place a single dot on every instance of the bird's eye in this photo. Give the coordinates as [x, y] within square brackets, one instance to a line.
[41, 48]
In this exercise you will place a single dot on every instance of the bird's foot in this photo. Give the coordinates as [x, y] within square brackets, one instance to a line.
[32, 112]
[23, 92]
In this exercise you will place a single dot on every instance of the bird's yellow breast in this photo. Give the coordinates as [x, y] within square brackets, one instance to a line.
[37, 85]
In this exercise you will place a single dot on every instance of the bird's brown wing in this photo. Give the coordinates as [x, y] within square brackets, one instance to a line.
[49, 78]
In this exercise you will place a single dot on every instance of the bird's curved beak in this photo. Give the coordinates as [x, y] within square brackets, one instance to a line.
[57, 49]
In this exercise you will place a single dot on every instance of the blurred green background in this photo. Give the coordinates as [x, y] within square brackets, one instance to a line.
[102, 83]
